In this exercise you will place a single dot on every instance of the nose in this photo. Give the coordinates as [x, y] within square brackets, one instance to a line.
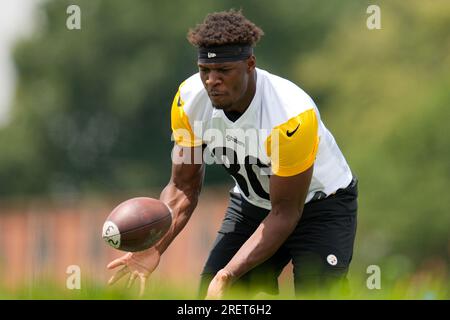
[213, 79]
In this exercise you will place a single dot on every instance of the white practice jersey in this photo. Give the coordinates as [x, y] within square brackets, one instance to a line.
[280, 133]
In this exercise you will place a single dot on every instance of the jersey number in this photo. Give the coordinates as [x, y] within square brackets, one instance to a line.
[234, 168]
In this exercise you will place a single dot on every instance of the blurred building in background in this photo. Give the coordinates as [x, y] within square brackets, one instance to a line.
[41, 240]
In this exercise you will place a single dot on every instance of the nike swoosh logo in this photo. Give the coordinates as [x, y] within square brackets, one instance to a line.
[289, 134]
[179, 104]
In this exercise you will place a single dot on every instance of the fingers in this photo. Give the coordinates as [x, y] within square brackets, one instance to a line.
[142, 287]
[142, 279]
[119, 261]
[133, 277]
[115, 263]
[118, 275]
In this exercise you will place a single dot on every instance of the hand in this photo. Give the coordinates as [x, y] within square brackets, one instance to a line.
[138, 264]
[219, 284]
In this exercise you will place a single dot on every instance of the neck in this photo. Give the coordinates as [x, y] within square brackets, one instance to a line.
[242, 104]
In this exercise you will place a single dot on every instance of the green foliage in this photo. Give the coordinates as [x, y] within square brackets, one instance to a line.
[92, 110]
[384, 95]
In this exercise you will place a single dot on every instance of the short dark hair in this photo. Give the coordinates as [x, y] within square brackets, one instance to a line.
[224, 28]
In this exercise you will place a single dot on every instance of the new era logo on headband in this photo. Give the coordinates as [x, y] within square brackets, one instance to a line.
[224, 53]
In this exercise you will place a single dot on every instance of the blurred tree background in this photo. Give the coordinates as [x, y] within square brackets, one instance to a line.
[91, 110]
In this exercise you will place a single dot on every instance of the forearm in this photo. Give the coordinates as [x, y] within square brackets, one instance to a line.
[182, 204]
[263, 243]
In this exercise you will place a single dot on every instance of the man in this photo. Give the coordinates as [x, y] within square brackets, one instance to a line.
[295, 198]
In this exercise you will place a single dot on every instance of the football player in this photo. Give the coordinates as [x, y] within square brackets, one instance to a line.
[295, 198]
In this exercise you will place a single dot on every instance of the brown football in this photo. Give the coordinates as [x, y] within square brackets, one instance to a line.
[137, 224]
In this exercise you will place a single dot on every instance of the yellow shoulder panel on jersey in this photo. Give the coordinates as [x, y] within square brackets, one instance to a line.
[181, 128]
[292, 146]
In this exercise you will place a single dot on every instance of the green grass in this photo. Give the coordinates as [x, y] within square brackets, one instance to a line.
[415, 287]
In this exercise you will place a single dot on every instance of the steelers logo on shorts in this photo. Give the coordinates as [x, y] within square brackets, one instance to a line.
[332, 260]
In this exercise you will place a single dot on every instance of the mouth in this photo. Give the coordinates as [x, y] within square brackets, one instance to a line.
[216, 94]
[218, 99]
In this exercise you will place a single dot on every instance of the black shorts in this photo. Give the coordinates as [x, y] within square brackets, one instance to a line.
[320, 247]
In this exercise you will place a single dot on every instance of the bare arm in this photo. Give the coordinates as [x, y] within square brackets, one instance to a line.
[182, 192]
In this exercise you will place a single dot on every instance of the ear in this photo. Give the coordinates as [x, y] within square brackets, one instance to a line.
[251, 63]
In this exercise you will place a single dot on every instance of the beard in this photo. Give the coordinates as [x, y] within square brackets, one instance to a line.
[221, 106]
